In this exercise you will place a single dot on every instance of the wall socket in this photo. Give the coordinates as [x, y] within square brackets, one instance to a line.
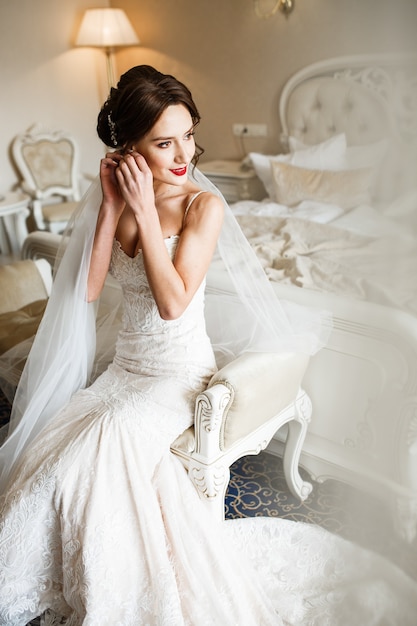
[250, 130]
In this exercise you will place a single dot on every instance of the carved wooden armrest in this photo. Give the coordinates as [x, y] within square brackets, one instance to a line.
[245, 403]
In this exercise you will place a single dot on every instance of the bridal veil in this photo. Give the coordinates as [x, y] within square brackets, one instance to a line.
[73, 344]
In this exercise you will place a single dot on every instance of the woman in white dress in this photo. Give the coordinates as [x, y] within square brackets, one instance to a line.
[100, 524]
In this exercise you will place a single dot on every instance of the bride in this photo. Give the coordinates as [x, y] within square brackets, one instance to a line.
[99, 523]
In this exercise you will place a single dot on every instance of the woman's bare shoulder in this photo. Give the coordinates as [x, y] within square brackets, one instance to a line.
[204, 205]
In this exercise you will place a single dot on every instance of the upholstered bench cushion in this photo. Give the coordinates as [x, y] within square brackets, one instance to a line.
[16, 326]
[261, 386]
[21, 283]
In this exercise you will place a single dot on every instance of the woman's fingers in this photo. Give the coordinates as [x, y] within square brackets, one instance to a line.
[133, 168]
[135, 180]
[135, 162]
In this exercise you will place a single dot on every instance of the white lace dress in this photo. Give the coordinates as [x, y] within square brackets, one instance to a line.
[101, 525]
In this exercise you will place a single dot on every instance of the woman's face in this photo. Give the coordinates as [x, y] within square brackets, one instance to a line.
[169, 146]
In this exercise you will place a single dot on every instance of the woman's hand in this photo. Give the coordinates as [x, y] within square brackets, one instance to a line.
[135, 182]
[111, 210]
[112, 195]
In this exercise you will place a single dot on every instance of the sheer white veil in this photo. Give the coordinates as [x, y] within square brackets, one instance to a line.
[73, 344]
[243, 312]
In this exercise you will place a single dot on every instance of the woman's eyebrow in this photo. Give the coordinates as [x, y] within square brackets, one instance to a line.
[168, 138]
[162, 138]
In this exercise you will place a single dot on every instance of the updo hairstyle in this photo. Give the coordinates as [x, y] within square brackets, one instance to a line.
[135, 105]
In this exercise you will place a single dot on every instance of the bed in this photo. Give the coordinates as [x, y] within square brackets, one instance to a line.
[337, 230]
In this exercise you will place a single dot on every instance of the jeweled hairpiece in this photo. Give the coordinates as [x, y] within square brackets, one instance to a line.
[112, 126]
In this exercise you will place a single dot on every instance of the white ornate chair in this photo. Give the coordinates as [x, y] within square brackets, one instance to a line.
[245, 404]
[47, 162]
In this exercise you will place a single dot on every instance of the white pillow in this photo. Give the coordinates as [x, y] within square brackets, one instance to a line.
[366, 155]
[375, 155]
[295, 144]
[328, 155]
[343, 188]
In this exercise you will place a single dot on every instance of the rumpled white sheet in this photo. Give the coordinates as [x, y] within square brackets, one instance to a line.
[308, 209]
[362, 254]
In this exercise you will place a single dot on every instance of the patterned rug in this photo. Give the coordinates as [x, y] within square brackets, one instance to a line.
[258, 488]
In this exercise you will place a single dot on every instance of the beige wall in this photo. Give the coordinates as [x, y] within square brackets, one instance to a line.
[44, 79]
[234, 62]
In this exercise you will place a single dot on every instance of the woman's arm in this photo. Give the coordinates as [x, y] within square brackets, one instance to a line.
[173, 284]
[110, 211]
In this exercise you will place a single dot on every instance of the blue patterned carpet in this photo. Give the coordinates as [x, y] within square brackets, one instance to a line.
[258, 488]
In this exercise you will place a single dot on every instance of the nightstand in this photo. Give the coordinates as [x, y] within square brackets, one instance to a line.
[233, 182]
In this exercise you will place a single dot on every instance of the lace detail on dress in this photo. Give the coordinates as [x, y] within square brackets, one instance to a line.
[140, 310]
[177, 348]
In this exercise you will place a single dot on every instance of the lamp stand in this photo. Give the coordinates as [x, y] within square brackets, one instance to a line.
[110, 67]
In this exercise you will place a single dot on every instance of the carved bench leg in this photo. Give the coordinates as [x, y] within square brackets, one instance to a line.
[297, 429]
[211, 484]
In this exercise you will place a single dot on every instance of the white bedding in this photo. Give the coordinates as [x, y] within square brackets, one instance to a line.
[308, 209]
[363, 253]
[348, 233]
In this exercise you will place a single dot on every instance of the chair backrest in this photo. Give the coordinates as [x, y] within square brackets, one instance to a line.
[48, 163]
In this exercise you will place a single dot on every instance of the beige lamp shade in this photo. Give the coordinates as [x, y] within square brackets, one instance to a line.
[106, 28]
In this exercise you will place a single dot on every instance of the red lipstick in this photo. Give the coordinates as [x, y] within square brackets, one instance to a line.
[179, 172]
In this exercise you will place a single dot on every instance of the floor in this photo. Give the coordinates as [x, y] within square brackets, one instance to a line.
[258, 487]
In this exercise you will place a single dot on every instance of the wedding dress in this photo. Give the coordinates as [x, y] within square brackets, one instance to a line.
[101, 525]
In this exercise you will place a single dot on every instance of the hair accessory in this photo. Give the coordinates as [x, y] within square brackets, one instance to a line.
[112, 126]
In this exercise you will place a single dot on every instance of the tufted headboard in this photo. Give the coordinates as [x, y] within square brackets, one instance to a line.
[366, 97]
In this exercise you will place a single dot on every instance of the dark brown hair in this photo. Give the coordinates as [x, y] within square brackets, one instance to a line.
[135, 105]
